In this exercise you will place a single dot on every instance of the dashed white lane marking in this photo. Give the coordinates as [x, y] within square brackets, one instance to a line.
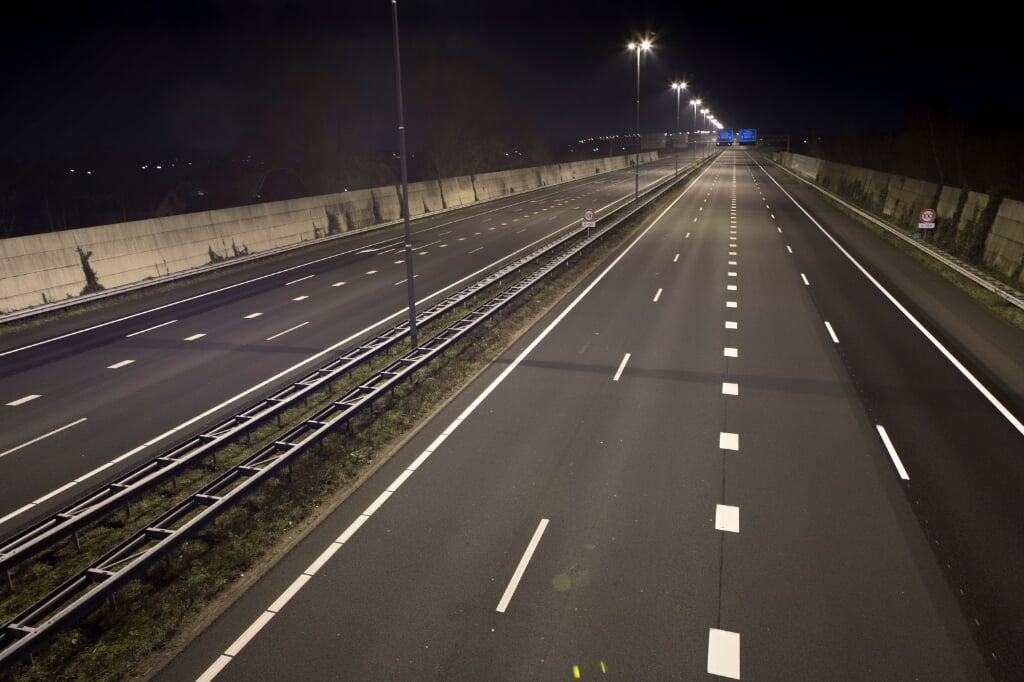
[252, 316]
[732, 262]
[724, 653]
[271, 338]
[676, 259]
[731, 325]
[22, 401]
[371, 272]
[731, 304]
[694, 220]
[789, 248]
[521, 231]
[728, 441]
[731, 352]
[300, 298]
[424, 253]
[732, 274]
[300, 279]
[892, 453]
[148, 329]
[657, 295]
[399, 262]
[338, 284]
[622, 366]
[729, 388]
[804, 278]
[727, 518]
[194, 337]
[476, 249]
[37, 439]
[831, 332]
[779, 229]
[404, 280]
[731, 287]
[521, 568]
[772, 215]
[119, 365]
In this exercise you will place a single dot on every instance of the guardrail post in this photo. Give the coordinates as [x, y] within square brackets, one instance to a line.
[128, 509]
[78, 544]
[10, 581]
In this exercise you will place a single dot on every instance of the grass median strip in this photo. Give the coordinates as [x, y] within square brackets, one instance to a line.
[153, 616]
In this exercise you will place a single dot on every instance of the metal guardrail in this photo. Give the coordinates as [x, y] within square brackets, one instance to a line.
[1008, 294]
[82, 593]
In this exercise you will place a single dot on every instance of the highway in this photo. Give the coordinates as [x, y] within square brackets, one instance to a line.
[755, 444]
[87, 396]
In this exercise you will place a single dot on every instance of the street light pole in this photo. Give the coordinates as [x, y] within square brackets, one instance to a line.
[642, 46]
[678, 87]
[695, 103]
[405, 183]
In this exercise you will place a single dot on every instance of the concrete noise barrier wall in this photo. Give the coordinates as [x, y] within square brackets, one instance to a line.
[44, 268]
[901, 199]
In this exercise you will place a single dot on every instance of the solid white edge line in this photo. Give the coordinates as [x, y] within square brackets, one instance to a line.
[892, 453]
[399, 480]
[347, 534]
[375, 505]
[622, 366]
[724, 653]
[831, 332]
[521, 568]
[148, 329]
[17, 512]
[249, 633]
[298, 326]
[214, 668]
[45, 435]
[995, 402]
[289, 592]
[324, 557]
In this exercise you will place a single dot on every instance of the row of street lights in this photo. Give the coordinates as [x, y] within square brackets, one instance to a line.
[645, 46]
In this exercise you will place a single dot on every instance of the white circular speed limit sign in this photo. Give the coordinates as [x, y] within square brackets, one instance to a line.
[588, 215]
[928, 215]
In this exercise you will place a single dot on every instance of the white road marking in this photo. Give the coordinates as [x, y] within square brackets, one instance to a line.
[732, 262]
[688, 234]
[404, 280]
[731, 287]
[730, 388]
[521, 231]
[22, 401]
[657, 295]
[149, 329]
[728, 441]
[731, 304]
[724, 653]
[338, 284]
[271, 338]
[36, 440]
[476, 249]
[694, 220]
[788, 248]
[731, 325]
[727, 518]
[300, 279]
[732, 274]
[676, 259]
[804, 278]
[300, 298]
[119, 365]
[424, 253]
[252, 316]
[831, 332]
[622, 366]
[249, 633]
[399, 262]
[731, 352]
[772, 215]
[892, 453]
[521, 568]
[371, 272]
[194, 337]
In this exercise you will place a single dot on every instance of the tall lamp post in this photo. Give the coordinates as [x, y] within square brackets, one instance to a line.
[704, 112]
[405, 183]
[642, 46]
[678, 87]
[695, 103]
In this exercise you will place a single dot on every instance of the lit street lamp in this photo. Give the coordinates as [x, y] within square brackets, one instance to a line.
[695, 103]
[678, 87]
[642, 46]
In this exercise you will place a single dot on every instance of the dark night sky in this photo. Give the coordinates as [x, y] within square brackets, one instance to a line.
[130, 79]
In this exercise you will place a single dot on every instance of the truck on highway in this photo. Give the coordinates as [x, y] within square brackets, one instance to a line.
[723, 138]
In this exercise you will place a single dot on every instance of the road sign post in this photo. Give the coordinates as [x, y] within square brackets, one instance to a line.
[926, 220]
[588, 220]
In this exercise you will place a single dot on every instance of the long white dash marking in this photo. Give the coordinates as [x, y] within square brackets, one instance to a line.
[148, 329]
[521, 568]
[39, 438]
[831, 332]
[338, 284]
[300, 279]
[371, 272]
[252, 316]
[22, 401]
[476, 249]
[789, 248]
[657, 295]
[724, 653]
[300, 298]
[271, 338]
[804, 278]
[676, 259]
[622, 366]
[194, 337]
[892, 453]
[727, 518]
[119, 365]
